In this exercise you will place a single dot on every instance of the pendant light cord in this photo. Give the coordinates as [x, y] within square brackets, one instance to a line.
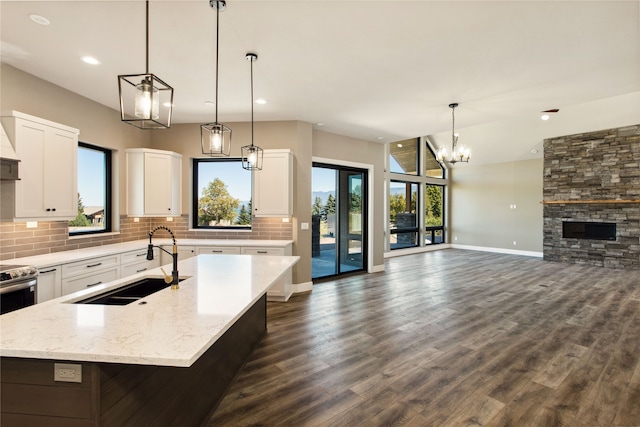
[147, 35]
[453, 127]
[252, 101]
[217, 44]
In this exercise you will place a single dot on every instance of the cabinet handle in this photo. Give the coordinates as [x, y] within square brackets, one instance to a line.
[47, 271]
[48, 209]
[262, 252]
[142, 254]
[54, 209]
[94, 284]
[216, 251]
[141, 270]
[94, 265]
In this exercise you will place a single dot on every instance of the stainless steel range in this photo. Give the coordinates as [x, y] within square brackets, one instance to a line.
[18, 287]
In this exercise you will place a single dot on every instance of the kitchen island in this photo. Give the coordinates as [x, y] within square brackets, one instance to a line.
[166, 359]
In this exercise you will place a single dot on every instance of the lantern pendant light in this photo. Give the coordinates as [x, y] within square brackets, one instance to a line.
[252, 154]
[459, 153]
[215, 138]
[145, 100]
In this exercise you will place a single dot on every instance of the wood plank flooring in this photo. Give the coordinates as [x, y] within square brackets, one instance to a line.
[449, 338]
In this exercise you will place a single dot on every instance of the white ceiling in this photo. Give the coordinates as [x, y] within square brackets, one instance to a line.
[376, 70]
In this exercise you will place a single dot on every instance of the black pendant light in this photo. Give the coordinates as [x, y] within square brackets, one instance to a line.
[215, 138]
[145, 100]
[252, 154]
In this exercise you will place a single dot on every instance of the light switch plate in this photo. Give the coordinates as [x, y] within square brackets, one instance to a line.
[304, 226]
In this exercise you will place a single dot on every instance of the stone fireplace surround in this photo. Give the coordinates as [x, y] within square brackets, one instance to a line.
[593, 177]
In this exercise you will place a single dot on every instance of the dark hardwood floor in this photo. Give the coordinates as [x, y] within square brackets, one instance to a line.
[449, 338]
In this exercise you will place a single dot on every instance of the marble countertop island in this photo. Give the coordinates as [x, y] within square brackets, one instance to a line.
[172, 328]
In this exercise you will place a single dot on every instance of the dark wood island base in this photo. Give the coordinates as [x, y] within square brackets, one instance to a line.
[118, 395]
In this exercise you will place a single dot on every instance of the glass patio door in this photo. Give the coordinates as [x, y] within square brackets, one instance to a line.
[338, 221]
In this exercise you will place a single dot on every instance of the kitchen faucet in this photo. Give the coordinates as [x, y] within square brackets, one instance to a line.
[173, 279]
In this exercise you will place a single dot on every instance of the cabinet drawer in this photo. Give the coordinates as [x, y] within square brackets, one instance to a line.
[262, 251]
[139, 267]
[138, 256]
[88, 280]
[90, 265]
[219, 250]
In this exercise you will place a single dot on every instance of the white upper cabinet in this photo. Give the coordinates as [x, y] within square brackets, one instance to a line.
[273, 186]
[48, 153]
[154, 182]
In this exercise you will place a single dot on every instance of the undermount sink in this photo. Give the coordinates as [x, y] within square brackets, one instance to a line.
[128, 293]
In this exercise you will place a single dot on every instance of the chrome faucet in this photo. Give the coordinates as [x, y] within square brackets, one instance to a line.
[173, 279]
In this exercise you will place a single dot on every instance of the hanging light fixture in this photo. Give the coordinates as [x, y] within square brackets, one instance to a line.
[252, 154]
[215, 138]
[145, 100]
[459, 153]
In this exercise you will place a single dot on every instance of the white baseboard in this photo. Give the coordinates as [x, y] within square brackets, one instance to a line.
[377, 268]
[498, 250]
[298, 288]
[417, 250]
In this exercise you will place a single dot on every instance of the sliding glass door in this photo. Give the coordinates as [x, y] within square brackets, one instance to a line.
[339, 220]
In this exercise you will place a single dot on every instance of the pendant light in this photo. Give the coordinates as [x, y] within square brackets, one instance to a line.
[145, 100]
[252, 154]
[459, 153]
[215, 138]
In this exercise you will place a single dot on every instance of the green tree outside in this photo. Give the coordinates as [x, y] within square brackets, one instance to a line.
[80, 220]
[317, 208]
[216, 205]
[433, 205]
[330, 206]
[244, 217]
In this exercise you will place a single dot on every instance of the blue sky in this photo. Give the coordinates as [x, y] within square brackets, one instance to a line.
[91, 177]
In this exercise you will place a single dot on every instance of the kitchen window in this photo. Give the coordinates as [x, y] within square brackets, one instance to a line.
[94, 191]
[221, 194]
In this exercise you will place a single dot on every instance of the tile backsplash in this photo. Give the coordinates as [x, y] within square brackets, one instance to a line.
[17, 241]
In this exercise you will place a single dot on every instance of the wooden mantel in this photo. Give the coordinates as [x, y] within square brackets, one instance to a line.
[587, 202]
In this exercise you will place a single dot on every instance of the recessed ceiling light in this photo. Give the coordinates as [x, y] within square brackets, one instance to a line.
[209, 103]
[534, 151]
[319, 124]
[41, 20]
[260, 101]
[544, 117]
[90, 60]
[399, 145]
[167, 104]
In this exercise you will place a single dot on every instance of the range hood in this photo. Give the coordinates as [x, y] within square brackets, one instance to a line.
[8, 158]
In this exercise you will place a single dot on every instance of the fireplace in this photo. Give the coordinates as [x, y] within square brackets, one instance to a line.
[591, 198]
[588, 230]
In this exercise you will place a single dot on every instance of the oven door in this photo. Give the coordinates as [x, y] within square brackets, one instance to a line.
[18, 295]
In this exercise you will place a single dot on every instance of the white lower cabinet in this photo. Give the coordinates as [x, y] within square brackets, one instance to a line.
[80, 275]
[184, 252]
[88, 280]
[282, 289]
[234, 250]
[135, 262]
[49, 283]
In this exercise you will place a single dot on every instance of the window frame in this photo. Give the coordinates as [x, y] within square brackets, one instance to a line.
[108, 190]
[195, 196]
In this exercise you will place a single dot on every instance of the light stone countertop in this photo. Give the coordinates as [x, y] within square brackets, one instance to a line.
[65, 257]
[174, 327]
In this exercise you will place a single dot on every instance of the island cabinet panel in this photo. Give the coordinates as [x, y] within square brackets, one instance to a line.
[136, 395]
[31, 397]
[126, 395]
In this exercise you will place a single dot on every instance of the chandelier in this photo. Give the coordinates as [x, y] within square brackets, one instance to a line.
[459, 153]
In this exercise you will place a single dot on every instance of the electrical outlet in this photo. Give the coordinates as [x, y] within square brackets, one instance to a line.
[304, 226]
[514, 243]
[32, 224]
[67, 372]
[455, 238]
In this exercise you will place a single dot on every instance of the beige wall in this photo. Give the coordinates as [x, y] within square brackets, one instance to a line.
[294, 135]
[481, 197]
[344, 149]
